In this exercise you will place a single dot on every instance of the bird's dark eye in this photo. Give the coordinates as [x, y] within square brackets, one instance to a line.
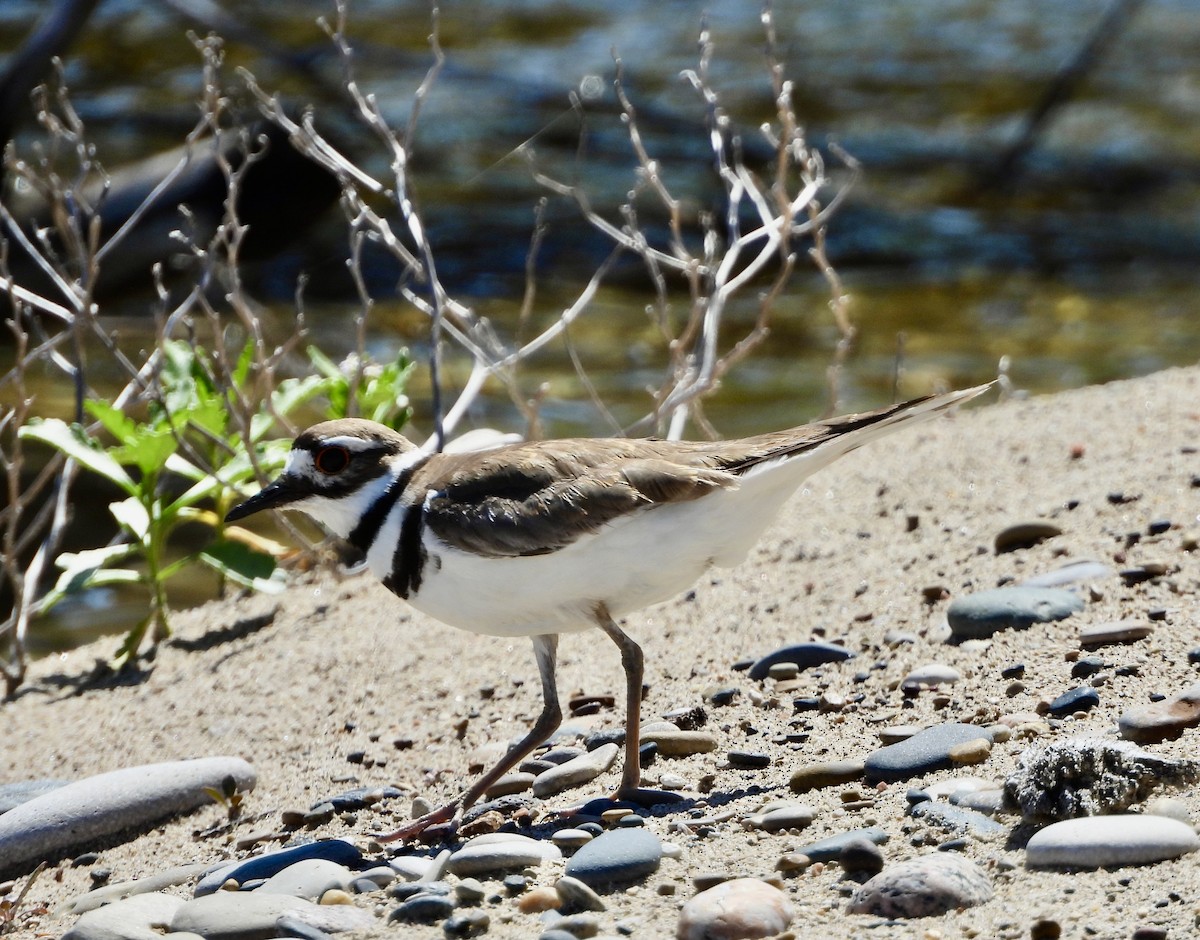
[331, 460]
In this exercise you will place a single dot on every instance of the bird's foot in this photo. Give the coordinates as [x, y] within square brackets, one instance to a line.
[437, 826]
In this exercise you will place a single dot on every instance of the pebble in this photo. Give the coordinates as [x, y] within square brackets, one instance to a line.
[827, 850]
[748, 760]
[923, 887]
[1146, 724]
[929, 750]
[1024, 535]
[955, 818]
[410, 867]
[516, 782]
[142, 917]
[1081, 699]
[1169, 807]
[826, 774]
[617, 855]
[739, 909]
[467, 923]
[1099, 841]
[578, 925]
[978, 616]
[571, 839]
[501, 852]
[1071, 573]
[1089, 776]
[894, 734]
[360, 798]
[338, 851]
[1119, 631]
[539, 899]
[580, 769]
[955, 786]
[971, 752]
[680, 743]
[1086, 666]
[578, 896]
[228, 915]
[107, 804]
[860, 857]
[929, 676]
[788, 816]
[13, 795]
[804, 655]
[424, 909]
[309, 878]
[180, 874]
[989, 802]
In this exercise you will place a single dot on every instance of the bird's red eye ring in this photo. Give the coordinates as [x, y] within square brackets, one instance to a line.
[331, 460]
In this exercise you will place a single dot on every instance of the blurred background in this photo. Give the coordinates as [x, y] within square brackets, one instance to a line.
[1030, 174]
[1075, 253]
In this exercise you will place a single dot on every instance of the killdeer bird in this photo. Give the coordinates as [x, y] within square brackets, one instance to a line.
[547, 537]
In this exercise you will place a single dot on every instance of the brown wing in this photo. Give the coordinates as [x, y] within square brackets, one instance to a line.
[530, 500]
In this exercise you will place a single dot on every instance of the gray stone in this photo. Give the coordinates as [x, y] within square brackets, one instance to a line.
[249, 915]
[424, 909]
[924, 752]
[143, 917]
[1098, 841]
[1024, 535]
[98, 807]
[123, 889]
[13, 795]
[978, 616]
[616, 855]
[582, 768]
[923, 887]
[1089, 776]
[501, 852]
[338, 851]
[734, 910]
[804, 655]
[828, 850]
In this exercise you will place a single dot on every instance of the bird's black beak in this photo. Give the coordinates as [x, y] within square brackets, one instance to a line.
[272, 496]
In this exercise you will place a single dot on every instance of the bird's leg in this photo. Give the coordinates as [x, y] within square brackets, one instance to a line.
[545, 649]
[631, 659]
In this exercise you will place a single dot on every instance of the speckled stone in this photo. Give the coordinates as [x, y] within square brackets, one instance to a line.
[1098, 841]
[106, 804]
[740, 909]
[957, 819]
[978, 616]
[923, 887]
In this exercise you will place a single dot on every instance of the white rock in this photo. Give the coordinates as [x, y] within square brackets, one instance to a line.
[143, 917]
[931, 674]
[923, 887]
[1097, 841]
[740, 909]
[485, 855]
[309, 878]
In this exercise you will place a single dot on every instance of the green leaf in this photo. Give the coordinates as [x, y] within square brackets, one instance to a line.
[80, 569]
[74, 442]
[113, 420]
[148, 450]
[243, 565]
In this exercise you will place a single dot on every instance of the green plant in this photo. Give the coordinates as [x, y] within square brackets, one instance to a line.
[186, 437]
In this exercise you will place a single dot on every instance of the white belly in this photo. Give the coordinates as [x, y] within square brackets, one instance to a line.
[636, 561]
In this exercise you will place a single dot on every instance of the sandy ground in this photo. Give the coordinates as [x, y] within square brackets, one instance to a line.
[343, 667]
